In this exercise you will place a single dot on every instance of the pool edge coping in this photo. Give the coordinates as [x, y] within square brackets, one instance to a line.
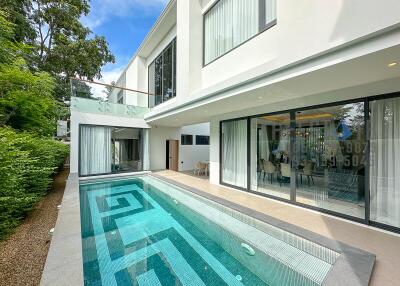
[354, 266]
[64, 261]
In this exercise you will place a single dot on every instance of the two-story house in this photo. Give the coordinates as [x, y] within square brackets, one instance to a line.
[294, 100]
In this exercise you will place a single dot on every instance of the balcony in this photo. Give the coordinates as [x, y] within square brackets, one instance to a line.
[87, 105]
[98, 98]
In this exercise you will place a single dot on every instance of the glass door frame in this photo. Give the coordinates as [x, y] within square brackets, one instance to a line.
[141, 130]
[366, 100]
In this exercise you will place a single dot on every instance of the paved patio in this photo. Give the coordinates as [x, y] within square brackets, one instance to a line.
[385, 245]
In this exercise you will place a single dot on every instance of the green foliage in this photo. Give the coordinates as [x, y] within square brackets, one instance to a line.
[17, 13]
[64, 47]
[42, 44]
[26, 99]
[61, 45]
[27, 163]
[9, 49]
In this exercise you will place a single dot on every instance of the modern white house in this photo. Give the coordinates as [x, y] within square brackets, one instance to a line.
[298, 101]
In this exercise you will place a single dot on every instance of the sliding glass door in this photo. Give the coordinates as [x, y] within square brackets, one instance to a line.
[95, 150]
[340, 158]
[105, 150]
[329, 158]
[234, 153]
[385, 161]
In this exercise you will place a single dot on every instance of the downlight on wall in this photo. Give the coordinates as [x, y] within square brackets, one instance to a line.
[393, 64]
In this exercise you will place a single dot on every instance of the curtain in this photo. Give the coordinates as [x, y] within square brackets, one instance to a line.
[385, 161]
[234, 154]
[264, 144]
[228, 24]
[95, 150]
[254, 157]
[146, 150]
[270, 11]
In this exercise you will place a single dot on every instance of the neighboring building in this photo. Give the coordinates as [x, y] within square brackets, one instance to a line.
[301, 97]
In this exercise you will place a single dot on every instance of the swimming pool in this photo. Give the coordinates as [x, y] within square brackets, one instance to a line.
[144, 231]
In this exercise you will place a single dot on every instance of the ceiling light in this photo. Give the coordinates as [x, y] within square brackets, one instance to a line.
[392, 64]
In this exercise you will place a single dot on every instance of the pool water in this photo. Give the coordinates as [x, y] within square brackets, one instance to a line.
[143, 231]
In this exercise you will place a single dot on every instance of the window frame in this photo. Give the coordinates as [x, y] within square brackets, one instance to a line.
[203, 136]
[183, 142]
[171, 45]
[366, 100]
[262, 27]
[120, 97]
[141, 130]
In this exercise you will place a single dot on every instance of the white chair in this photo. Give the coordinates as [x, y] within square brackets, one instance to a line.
[201, 168]
[285, 173]
[269, 169]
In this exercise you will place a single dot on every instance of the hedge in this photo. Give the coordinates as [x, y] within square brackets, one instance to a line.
[27, 163]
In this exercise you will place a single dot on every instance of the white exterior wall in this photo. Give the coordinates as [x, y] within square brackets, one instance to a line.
[214, 151]
[304, 28]
[158, 138]
[189, 48]
[189, 155]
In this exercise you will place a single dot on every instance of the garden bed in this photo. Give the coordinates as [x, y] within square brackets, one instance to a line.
[23, 254]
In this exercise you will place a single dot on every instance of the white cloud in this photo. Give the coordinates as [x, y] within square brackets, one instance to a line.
[108, 77]
[103, 10]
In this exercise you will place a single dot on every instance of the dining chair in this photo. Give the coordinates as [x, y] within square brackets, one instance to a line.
[285, 173]
[269, 169]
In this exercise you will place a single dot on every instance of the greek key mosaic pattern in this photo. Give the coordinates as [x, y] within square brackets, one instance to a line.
[132, 238]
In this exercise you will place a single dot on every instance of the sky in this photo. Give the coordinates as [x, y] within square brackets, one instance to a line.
[124, 24]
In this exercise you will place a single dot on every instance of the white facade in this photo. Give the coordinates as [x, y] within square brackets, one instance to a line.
[313, 53]
[318, 52]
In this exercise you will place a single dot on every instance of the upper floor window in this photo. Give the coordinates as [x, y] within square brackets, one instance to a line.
[230, 23]
[162, 76]
[120, 97]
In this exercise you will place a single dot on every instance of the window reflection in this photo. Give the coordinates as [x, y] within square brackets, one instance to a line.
[329, 158]
[270, 149]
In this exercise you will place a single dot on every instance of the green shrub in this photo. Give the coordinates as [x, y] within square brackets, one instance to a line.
[27, 163]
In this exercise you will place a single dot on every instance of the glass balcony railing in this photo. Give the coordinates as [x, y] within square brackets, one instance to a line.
[99, 98]
[107, 108]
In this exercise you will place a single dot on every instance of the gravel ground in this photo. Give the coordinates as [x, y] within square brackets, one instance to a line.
[23, 254]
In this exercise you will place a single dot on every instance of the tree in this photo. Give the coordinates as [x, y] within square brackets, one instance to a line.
[17, 12]
[65, 48]
[9, 49]
[26, 98]
[62, 46]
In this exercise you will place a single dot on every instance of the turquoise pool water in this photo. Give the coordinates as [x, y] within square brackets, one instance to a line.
[143, 231]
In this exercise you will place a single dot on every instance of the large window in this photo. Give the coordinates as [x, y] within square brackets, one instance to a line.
[329, 158]
[230, 23]
[162, 76]
[105, 150]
